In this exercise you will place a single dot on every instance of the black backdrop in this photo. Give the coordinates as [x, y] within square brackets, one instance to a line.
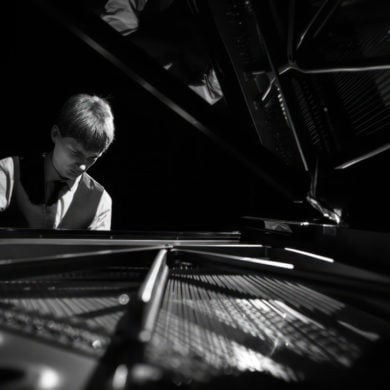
[160, 172]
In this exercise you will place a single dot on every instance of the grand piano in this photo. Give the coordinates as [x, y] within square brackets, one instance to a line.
[288, 285]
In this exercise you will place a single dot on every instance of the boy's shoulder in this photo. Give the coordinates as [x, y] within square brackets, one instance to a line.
[9, 164]
[7, 161]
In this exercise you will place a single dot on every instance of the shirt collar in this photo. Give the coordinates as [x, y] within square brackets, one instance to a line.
[51, 173]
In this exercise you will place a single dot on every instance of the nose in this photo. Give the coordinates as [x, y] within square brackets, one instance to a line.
[81, 165]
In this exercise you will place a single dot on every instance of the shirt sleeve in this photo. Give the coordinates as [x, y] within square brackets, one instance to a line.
[102, 220]
[6, 182]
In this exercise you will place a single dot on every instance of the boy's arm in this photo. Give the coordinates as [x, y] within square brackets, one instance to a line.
[102, 220]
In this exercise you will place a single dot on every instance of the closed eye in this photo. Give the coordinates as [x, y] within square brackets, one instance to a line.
[80, 155]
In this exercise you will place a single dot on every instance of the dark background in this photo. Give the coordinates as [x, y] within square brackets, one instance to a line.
[160, 171]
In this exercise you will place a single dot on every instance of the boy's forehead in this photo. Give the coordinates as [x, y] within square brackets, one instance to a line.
[78, 146]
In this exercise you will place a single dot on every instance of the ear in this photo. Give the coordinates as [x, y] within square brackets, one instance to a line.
[55, 133]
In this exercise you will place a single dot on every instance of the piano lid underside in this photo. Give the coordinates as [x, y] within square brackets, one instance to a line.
[253, 164]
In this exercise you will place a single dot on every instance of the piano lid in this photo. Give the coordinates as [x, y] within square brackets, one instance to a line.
[312, 78]
[298, 94]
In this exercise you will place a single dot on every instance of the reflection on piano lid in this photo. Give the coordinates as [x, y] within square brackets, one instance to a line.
[306, 85]
[313, 79]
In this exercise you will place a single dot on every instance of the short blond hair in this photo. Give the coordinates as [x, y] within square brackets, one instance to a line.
[88, 119]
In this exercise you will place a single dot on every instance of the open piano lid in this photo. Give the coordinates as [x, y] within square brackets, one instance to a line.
[312, 78]
[306, 84]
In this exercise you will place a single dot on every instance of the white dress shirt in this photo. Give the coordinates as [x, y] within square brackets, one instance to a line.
[82, 203]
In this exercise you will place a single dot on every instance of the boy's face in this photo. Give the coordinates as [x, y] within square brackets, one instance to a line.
[70, 159]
